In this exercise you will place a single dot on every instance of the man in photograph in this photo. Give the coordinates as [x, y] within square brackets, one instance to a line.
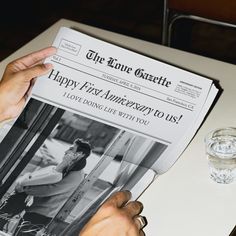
[50, 187]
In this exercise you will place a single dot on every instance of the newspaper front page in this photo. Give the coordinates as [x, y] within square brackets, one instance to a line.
[133, 114]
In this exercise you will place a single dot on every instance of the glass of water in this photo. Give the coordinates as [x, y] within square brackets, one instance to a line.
[221, 154]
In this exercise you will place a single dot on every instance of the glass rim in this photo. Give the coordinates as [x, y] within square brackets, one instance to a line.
[225, 136]
[222, 131]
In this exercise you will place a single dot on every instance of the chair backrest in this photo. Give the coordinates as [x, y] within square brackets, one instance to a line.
[221, 10]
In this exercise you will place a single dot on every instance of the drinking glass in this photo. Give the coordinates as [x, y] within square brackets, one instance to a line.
[221, 154]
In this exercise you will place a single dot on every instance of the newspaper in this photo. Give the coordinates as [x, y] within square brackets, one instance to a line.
[137, 114]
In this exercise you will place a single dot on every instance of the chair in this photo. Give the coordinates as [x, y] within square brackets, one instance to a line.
[217, 12]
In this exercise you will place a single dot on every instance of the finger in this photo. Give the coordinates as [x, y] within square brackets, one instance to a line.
[38, 70]
[119, 199]
[140, 221]
[32, 82]
[141, 233]
[134, 208]
[28, 92]
[31, 59]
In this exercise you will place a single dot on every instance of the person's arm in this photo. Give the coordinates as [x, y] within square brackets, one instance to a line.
[116, 217]
[46, 190]
[47, 175]
[17, 80]
[69, 182]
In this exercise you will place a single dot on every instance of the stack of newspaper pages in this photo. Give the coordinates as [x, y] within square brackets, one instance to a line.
[137, 115]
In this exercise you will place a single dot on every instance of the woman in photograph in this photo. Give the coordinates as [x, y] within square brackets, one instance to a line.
[51, 186]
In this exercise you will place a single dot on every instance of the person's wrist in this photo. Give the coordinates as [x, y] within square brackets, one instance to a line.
[3, 116]
[5, 109]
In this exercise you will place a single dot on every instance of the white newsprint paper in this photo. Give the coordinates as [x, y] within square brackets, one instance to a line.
[137, 114]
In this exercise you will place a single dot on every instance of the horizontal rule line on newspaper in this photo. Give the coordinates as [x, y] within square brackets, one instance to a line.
[70, 60]
[64, 80]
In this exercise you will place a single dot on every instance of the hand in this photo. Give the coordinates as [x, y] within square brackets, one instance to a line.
[116, 217]
[17, 80]
[19, 188]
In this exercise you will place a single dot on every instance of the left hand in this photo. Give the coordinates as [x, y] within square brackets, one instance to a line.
[17, 80]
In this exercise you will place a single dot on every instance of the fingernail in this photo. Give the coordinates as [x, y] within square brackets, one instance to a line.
[128, 192]
[140, 204]
[48, 66]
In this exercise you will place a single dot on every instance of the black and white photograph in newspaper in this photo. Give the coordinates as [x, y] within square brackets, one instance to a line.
[57, 164]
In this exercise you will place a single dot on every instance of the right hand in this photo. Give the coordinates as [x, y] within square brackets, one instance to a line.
[116, 217]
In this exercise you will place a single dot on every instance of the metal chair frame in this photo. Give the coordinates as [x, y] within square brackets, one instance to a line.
[168, 22]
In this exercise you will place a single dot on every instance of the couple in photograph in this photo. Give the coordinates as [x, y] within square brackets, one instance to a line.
[43, 192]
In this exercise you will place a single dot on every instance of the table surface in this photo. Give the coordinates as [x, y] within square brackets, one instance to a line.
[183, 201]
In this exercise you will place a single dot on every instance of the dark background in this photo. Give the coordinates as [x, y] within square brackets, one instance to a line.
[21, 21]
